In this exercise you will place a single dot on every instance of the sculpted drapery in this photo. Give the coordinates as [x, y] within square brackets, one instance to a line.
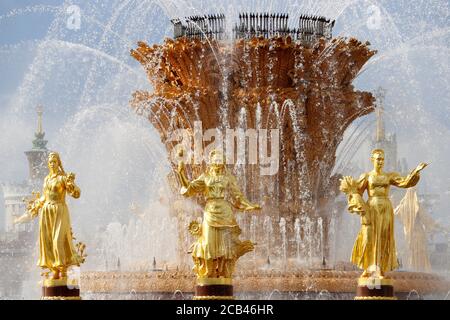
[218, 246]
[374, 249]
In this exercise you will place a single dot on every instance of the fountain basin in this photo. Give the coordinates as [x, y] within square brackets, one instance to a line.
[270, 284]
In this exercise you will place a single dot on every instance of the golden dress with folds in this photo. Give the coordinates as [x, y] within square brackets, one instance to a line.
[56, 248]
[218, 247]
[375, 244]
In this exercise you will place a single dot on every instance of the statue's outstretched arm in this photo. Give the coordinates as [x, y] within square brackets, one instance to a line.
[189, 188]
[240, 201]
[410, 180]
[33, 208]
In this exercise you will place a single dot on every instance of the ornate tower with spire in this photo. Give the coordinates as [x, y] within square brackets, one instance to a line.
[37, 156]
[382, 140]
[14, 193]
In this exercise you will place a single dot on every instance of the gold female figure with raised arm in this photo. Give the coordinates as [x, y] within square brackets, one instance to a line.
[218, 246]
[374, 250]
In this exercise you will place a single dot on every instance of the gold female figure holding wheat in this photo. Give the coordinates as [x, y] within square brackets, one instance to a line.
[374, 250]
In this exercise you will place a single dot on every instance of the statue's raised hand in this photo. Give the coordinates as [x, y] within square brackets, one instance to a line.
[181, 170]
[421, 166]
[70, 183]
[181, 166]
[71, 177]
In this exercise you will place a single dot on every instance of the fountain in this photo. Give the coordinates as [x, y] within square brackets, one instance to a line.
[264, 76]
[269, 77]
[85, 77]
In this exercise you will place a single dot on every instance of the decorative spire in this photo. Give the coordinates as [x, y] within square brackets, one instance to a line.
[39, 143]
[39, 111]
[380, 135]
[380, 124]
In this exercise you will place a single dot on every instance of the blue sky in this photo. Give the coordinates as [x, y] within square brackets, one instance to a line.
[19, 28]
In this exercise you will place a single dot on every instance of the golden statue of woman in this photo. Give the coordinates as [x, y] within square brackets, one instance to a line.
[218, 246]
[374, 249]
[56, 249]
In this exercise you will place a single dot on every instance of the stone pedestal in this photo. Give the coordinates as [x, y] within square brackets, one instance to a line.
[375, 289]
[214, 289]
[61, 289]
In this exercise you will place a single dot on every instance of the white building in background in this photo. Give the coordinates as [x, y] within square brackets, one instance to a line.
[15, 194]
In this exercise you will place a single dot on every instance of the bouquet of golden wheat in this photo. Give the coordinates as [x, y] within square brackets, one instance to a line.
[348, 185]
[356, 203]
